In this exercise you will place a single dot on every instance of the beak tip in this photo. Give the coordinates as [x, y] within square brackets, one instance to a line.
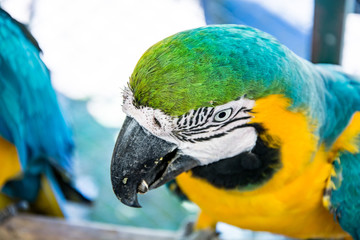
[131, 203]
[136, 205]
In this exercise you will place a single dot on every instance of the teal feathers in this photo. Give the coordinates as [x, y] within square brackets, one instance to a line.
[222, 63]
[30, 117]
[216, 64]
[211, 61]
[29, 108]
[345, 201]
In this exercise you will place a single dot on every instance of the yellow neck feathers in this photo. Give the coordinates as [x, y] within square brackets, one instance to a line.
[290, 203]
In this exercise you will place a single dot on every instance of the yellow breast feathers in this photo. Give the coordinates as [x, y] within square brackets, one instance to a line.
[290, 203]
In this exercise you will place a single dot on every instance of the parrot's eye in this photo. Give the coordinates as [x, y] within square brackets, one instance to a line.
[223, 115]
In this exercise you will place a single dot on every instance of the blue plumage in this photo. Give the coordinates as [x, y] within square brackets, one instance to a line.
[345, 201]
[30, 117]
[342, 101]
[339, 86]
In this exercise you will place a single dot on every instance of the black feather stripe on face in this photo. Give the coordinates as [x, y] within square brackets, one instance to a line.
[188, 132]
[245, 169]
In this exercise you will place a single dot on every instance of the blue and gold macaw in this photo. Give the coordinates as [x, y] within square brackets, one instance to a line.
[35, 142]
[254, 135]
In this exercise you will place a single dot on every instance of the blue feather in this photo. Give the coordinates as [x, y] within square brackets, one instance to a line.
[345, 201]
[30, 117]
[339, 86]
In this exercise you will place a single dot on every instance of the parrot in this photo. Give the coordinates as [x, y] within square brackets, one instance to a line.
[36, 143]
[254, 135]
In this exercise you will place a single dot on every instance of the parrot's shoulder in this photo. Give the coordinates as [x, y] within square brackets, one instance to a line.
[339, 95]
[338, 81]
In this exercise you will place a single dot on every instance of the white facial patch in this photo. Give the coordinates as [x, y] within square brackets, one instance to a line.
[208, 134]
[153, 120]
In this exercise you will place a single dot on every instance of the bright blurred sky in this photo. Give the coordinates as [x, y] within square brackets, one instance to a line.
[92, 46]
[351, 52]
[295, 12]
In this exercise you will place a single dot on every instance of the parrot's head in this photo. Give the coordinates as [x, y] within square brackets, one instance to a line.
[190, 107]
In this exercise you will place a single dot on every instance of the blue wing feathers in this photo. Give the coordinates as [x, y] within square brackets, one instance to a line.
[345, 201]
[30, 116]
[341, 99]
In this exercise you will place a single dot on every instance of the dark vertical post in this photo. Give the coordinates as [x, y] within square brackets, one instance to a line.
[328, 30]
[357, 6]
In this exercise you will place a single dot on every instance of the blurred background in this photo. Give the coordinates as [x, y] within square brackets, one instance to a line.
[91, 48]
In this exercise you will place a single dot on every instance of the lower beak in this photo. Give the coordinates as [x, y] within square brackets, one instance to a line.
[142, 161]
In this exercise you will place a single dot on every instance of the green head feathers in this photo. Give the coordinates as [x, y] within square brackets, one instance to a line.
[210, 66]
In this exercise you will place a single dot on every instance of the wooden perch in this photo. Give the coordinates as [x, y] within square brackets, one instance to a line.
[31, 227]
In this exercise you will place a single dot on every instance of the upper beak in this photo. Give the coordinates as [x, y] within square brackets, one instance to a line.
[142, 161]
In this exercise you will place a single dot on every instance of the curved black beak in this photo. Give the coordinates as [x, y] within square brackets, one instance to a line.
[142, 161]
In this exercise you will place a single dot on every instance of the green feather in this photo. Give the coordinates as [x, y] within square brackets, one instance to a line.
[209, 66]
[215, 64]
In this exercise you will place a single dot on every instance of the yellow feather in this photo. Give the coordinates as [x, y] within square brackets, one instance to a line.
[326, 202]
[10, 163]
[205, 222]
[46, 201]
[349, 139]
